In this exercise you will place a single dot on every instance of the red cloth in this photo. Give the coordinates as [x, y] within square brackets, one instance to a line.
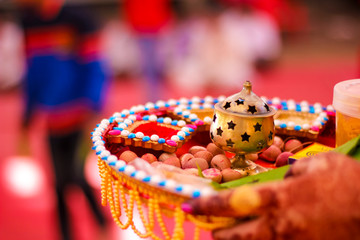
[147, 16]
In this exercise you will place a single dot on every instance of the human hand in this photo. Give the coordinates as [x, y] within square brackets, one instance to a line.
[319, 199]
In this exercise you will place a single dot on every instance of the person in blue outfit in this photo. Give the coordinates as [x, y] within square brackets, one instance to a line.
[65, 83]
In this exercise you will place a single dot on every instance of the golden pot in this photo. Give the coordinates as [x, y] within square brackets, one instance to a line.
[243, 123]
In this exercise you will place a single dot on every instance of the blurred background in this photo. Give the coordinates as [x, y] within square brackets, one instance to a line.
[161, 49]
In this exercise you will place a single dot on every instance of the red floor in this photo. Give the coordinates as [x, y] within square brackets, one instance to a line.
[308, 78]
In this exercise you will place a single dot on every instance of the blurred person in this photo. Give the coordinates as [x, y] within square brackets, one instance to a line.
[147, 19]
[218, 49]
[65, 84]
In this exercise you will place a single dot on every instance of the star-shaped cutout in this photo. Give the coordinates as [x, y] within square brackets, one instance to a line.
[229, 143]
[231, 125]
[240, 101]
[257, 127]
[211, 135]
[214, 118]
[267, 107]
[245, 137]
[227, 105]
[270, 135]
[219, 131]
[252, 109]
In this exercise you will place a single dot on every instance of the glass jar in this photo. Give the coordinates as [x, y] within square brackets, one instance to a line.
[346, 102]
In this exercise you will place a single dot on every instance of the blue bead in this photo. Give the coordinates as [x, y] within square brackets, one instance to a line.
[188, 108]
[179, 113]
[167, 105]
[190, 102]
[133, 174]
[146, 117]
[177, 102]
[93, 148]
[297, 128]
[121, 169]
[146, 138]
[131, 135]
[283, 125]
[322, 123]
[161, 140]
[202, 101]
[298, 108]
[132, 112]
[160, 120]
[118, 128]
[285, 108]
[104, 158]
[187, 134]
[174, 122]
[147, 179]
[112, 163]
[146, 109]
[216, 100]
[193, 120]
[111, 119]
[269, 102]
[196, 194]
[97, 125]
[181, 138]
[156, 107]
[283, 103]
[162, 183]
[186, 116]
[201, 107]
[179, 188]
[97, 153]
[191, 130]
[123, 115]
[326, 119]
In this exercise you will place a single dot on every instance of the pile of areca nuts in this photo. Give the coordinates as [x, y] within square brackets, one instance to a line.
[213, 161]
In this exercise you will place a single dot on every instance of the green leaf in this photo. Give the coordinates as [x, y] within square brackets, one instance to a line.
[199, 170]
[351, 148]
[272, 175]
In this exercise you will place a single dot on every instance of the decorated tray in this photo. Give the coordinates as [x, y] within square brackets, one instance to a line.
[153, 157]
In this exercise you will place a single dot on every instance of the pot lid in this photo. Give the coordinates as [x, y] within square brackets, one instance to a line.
[246, 102]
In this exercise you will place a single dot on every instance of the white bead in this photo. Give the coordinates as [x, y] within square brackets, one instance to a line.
[96, 133]
[196, 99]
[193, 116]
[128, 121]
[304, 103]
[152, 118]
[129, 169]
[317, 105]
[96, 138]
[186, 112]
[184, 101]
[119, 119]
[330, 108]
[120, 163]
[277, 122]
[112, 158]
[160, 103]
[100, 148]
[103, 125]
[139, 135]
[208, 119]
[155, 179]
[305, 108]
[133, 109]
[105, 121]
[154, 137]
[178, 110]
[132, 117]
[207, 105]
[172, 102]
[122, 125]
[140, 175]
[170, 184]
[208, 99]
[291, 107]
[187, 189]
[276, 100]
[317, 123]
[140, 108]
[125, 133]
[323, 114]
[99, 143]
[291, 124]
[305, 126]
[221, 98]
[207, 192]
[125, 111]
[175, 138]
[181, 133]
[291, 101]
[185, 129]
[181, 123]
[167, 120]
[104, 153]
[195, 106]
[117, 114]
[149, 105]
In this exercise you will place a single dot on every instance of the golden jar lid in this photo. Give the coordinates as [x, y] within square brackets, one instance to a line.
[246, 102]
